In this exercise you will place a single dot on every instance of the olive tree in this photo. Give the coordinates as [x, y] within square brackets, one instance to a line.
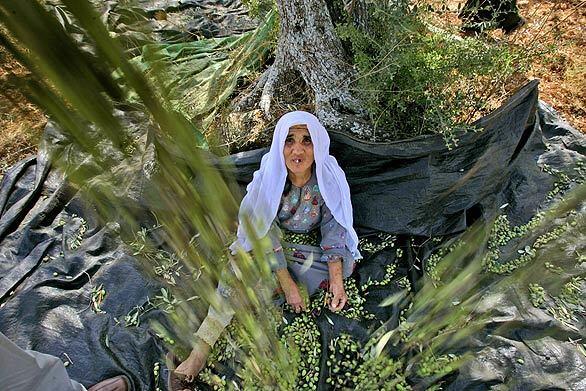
[308, 44]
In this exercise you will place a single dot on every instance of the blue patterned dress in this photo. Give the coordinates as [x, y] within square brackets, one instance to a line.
[305, 236]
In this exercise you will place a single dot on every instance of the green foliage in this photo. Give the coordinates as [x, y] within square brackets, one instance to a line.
[259, 8]
[75, 241]
[390, 271]
[571, 291]
[354, 308]
[165, 264]
[303, 336]
[536, 294]
[430, 365]
[157, 374]
[234, 348]
[165, 302]
[300, 337]
[439, 316]
[376, 243]
[349, 365]
[526, 239]
[381, 373]
[543, 255]
[97, 296]
[432, 269]
[352, 367]
[199, 76]
[563, 181]
[566, 306]
[417, 79]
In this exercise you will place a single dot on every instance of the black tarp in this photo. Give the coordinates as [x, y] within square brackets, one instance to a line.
[54, 249]
[419, 187]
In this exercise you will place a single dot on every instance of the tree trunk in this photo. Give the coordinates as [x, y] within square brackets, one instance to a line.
[308, 44]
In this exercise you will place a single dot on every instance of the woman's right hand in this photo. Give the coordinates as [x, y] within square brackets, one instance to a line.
[294, 298]
[291, 290]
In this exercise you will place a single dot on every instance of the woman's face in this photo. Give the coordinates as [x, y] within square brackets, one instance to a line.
[298, 151]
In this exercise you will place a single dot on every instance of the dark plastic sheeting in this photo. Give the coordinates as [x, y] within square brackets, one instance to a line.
[414, 188]
[418, 187]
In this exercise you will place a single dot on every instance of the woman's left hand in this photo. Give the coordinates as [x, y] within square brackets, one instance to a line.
[339, 298]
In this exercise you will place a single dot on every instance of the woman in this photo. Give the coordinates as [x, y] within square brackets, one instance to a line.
[315, 195]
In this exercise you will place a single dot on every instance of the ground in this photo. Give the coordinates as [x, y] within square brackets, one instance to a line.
[563, 79]
[21, 123]
[559, 24]
[557, 27]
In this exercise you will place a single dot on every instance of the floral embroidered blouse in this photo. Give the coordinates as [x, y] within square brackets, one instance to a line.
[307, 229]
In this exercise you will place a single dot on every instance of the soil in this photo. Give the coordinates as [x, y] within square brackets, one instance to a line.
[21, 122]
[556, 31]
[558, 27]
[562, 75]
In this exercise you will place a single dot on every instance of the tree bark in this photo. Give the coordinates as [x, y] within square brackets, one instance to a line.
[308, 44]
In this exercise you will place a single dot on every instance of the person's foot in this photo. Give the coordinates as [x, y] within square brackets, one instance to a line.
[173, 382]
[190, 368]
[117, 383]
[176, 384]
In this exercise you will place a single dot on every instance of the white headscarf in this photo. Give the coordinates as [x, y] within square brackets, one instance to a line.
[263, 194]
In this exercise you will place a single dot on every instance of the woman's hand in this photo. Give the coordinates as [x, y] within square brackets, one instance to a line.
[337, 290]
[291, 290]
[339, 298]
[294, 298]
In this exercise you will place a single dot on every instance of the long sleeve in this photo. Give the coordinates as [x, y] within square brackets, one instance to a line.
[277, 261]
[333, 237]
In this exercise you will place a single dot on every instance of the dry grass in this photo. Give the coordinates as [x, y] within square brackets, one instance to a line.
[561, 24]
[21, 123]
[557, 30]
